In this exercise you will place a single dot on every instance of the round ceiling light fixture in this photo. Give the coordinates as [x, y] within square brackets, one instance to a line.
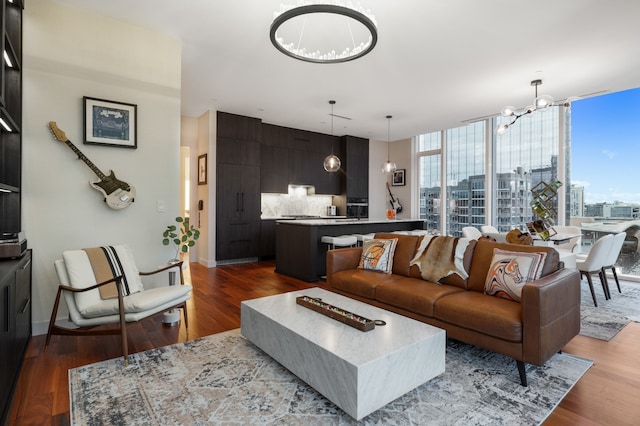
[324, 33]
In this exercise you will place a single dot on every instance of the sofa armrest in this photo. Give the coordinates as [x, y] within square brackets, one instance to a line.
[342, 259]
[550, 314]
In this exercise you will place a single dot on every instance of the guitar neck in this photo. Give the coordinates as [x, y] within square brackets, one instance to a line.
[84, 158]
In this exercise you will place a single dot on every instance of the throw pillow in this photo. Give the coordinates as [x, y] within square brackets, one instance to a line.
[510, 271]
[440, 256]
[377, 255]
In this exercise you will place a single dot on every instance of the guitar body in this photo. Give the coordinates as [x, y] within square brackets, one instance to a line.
[117, 194]
[395, 203]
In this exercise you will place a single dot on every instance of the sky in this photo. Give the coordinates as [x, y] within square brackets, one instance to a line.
[605, 147]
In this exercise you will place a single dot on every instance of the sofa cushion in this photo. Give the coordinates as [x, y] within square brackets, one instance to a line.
[441, 256]
[405, 250]
[483, 253]
[414, 295]
[359, 282]
[377, 254]
[476, 311]
[510, 271]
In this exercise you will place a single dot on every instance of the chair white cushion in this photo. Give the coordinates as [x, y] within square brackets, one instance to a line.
[340, 241]
[137, 302]
[80, 274]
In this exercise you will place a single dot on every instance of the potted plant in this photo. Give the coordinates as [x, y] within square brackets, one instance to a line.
[183, 236]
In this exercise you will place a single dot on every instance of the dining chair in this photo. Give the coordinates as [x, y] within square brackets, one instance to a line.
[575, 243]
[488, 229]
[471, 232]
[612, 256]
[594, 262]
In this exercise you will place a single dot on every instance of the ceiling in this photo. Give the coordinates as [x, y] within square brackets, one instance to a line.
[437, 64]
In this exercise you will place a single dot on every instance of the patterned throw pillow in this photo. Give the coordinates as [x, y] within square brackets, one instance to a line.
[377, 255]
[510, 271]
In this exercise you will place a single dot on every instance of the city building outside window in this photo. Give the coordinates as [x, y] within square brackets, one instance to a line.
[586, 147]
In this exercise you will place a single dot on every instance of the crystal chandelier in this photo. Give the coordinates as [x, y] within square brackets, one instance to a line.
[323, 33]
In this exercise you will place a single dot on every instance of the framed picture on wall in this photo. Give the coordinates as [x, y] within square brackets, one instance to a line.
[202, 169]
[110, 123]
[398, 177]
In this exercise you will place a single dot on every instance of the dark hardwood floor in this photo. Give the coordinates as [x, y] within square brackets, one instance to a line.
[606, 395]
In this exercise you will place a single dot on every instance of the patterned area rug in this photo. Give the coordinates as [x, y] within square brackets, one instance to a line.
[605, 321]
[224, 379]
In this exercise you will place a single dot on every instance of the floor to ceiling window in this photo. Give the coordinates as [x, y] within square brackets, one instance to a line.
[465, 172]
[525, 156]
[591, 148]
[605, 196]
[429, 177]
[522, 158]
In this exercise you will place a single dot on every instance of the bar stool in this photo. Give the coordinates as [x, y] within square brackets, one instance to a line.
[361, 238]
[339, 241]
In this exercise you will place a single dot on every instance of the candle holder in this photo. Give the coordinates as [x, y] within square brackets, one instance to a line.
[338, 314]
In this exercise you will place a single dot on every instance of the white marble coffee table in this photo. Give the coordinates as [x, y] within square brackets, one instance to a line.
[358, 371]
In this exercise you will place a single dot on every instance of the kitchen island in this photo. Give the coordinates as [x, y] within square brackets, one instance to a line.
[301, 254]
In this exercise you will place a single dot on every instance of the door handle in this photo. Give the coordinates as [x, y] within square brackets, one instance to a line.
[242, 208]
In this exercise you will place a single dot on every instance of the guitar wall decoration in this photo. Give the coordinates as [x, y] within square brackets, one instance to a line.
[395, 203]
[117, 194]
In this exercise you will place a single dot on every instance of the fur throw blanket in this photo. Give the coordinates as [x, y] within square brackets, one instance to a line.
[440, 256]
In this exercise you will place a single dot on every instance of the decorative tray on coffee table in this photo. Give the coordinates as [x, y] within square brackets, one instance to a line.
[339, 314]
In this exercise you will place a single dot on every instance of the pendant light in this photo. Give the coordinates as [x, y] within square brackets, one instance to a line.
[388, 167]
[332, 162]
[539, 103]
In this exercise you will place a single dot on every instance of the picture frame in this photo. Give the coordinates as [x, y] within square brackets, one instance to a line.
[202, 169]
[110, 123]
[398, 178]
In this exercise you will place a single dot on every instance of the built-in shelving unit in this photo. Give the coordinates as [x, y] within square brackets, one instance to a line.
[15, 273]
[11, 117]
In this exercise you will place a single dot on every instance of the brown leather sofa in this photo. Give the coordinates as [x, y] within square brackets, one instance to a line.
[530, 331]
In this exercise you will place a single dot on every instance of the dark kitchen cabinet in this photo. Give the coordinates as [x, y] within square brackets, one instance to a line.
[237, 187]
[267, 239]
[274, 169]
[238, 211]
[15, 325]
[356, 165]
[296, 157]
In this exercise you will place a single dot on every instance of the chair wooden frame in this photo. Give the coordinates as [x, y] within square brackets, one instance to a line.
[99, 329]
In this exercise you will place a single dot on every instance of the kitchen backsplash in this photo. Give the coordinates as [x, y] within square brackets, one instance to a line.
[296, 202]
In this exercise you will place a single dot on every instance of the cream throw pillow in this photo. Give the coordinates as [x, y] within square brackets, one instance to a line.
[377, 255]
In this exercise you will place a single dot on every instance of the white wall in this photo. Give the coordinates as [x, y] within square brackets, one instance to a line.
[207, 130]
[67, 55]
[400, 153]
